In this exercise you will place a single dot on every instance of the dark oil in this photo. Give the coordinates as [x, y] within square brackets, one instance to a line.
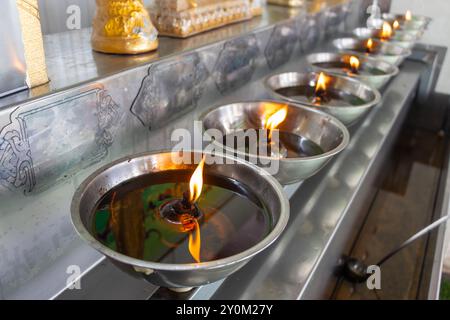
[289, 145]
[345, 69]
[333, 97]
[127, 219]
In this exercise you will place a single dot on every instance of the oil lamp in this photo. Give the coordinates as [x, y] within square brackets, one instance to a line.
[145, 213]
[408, 21]
[307, 138]
[363, 68]
[386, 34]
[385, 51]
[345, 98]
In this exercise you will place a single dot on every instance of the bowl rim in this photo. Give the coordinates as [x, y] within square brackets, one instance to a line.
[84, 233]
[342, 145]
[376, 100]
[410, 39]
[394, 69]
[407, 51]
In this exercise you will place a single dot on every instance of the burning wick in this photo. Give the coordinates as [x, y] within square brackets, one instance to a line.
[408, 15]
[274, 121]
[354, 64]
[395, 25]
[184, 215]
[369, 46]
[320, 90]
[195, 189]
[386, 32]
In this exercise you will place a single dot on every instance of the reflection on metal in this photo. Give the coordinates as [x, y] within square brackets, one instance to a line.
[12, 62]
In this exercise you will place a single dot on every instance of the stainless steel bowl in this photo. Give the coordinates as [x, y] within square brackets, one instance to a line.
[375, 80]
[399, 39]
[418, 22]
[178, 275]
[383, 50]
[347, 114]
[324, 130]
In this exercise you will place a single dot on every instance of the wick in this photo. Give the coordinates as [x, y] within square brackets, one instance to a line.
[186, 202]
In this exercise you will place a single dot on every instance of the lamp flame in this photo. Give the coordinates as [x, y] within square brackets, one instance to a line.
[195, 242]
[196, 182]
[386, 32]
[195, 189]
[274, 120]
[321, 84]
[369, 46]
[408, 15]
[396, 25]
[354, 64]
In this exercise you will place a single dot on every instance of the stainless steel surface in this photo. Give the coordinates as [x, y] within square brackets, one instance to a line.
[178, 275]
[324, 130]
[377, 81]
[399, 39]
[325, 208]
[12, 61]
[417, 22]
[347, 114]
[383, 51]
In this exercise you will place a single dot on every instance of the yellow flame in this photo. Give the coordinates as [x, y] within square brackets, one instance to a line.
[408, 15]
[196, 182]
[396, 25]
[354, 63]
[274, 120]
[195, 242]
[369, 45]
[193, 3]
[386, 32]
[321, 84]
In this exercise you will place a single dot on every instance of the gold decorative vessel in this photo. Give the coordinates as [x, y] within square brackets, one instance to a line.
[123, 27]
[184, 18]
[288, 3]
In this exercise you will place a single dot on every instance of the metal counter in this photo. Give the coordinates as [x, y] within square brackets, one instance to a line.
[90, 120]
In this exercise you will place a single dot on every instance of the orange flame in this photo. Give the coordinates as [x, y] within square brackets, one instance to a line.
[196, 182]
[396, 25]
[369, 45]
[195, 242]
[274, 120]
[354, 63]
[195, 189]
[321, 84]
[386, 32]
[408, 15]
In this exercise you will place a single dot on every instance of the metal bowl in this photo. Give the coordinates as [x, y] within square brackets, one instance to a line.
[347, 114]
[178, 275]
[399, 39]
[324, 130]
[418, 22]
[383, 50]
[375, 80]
